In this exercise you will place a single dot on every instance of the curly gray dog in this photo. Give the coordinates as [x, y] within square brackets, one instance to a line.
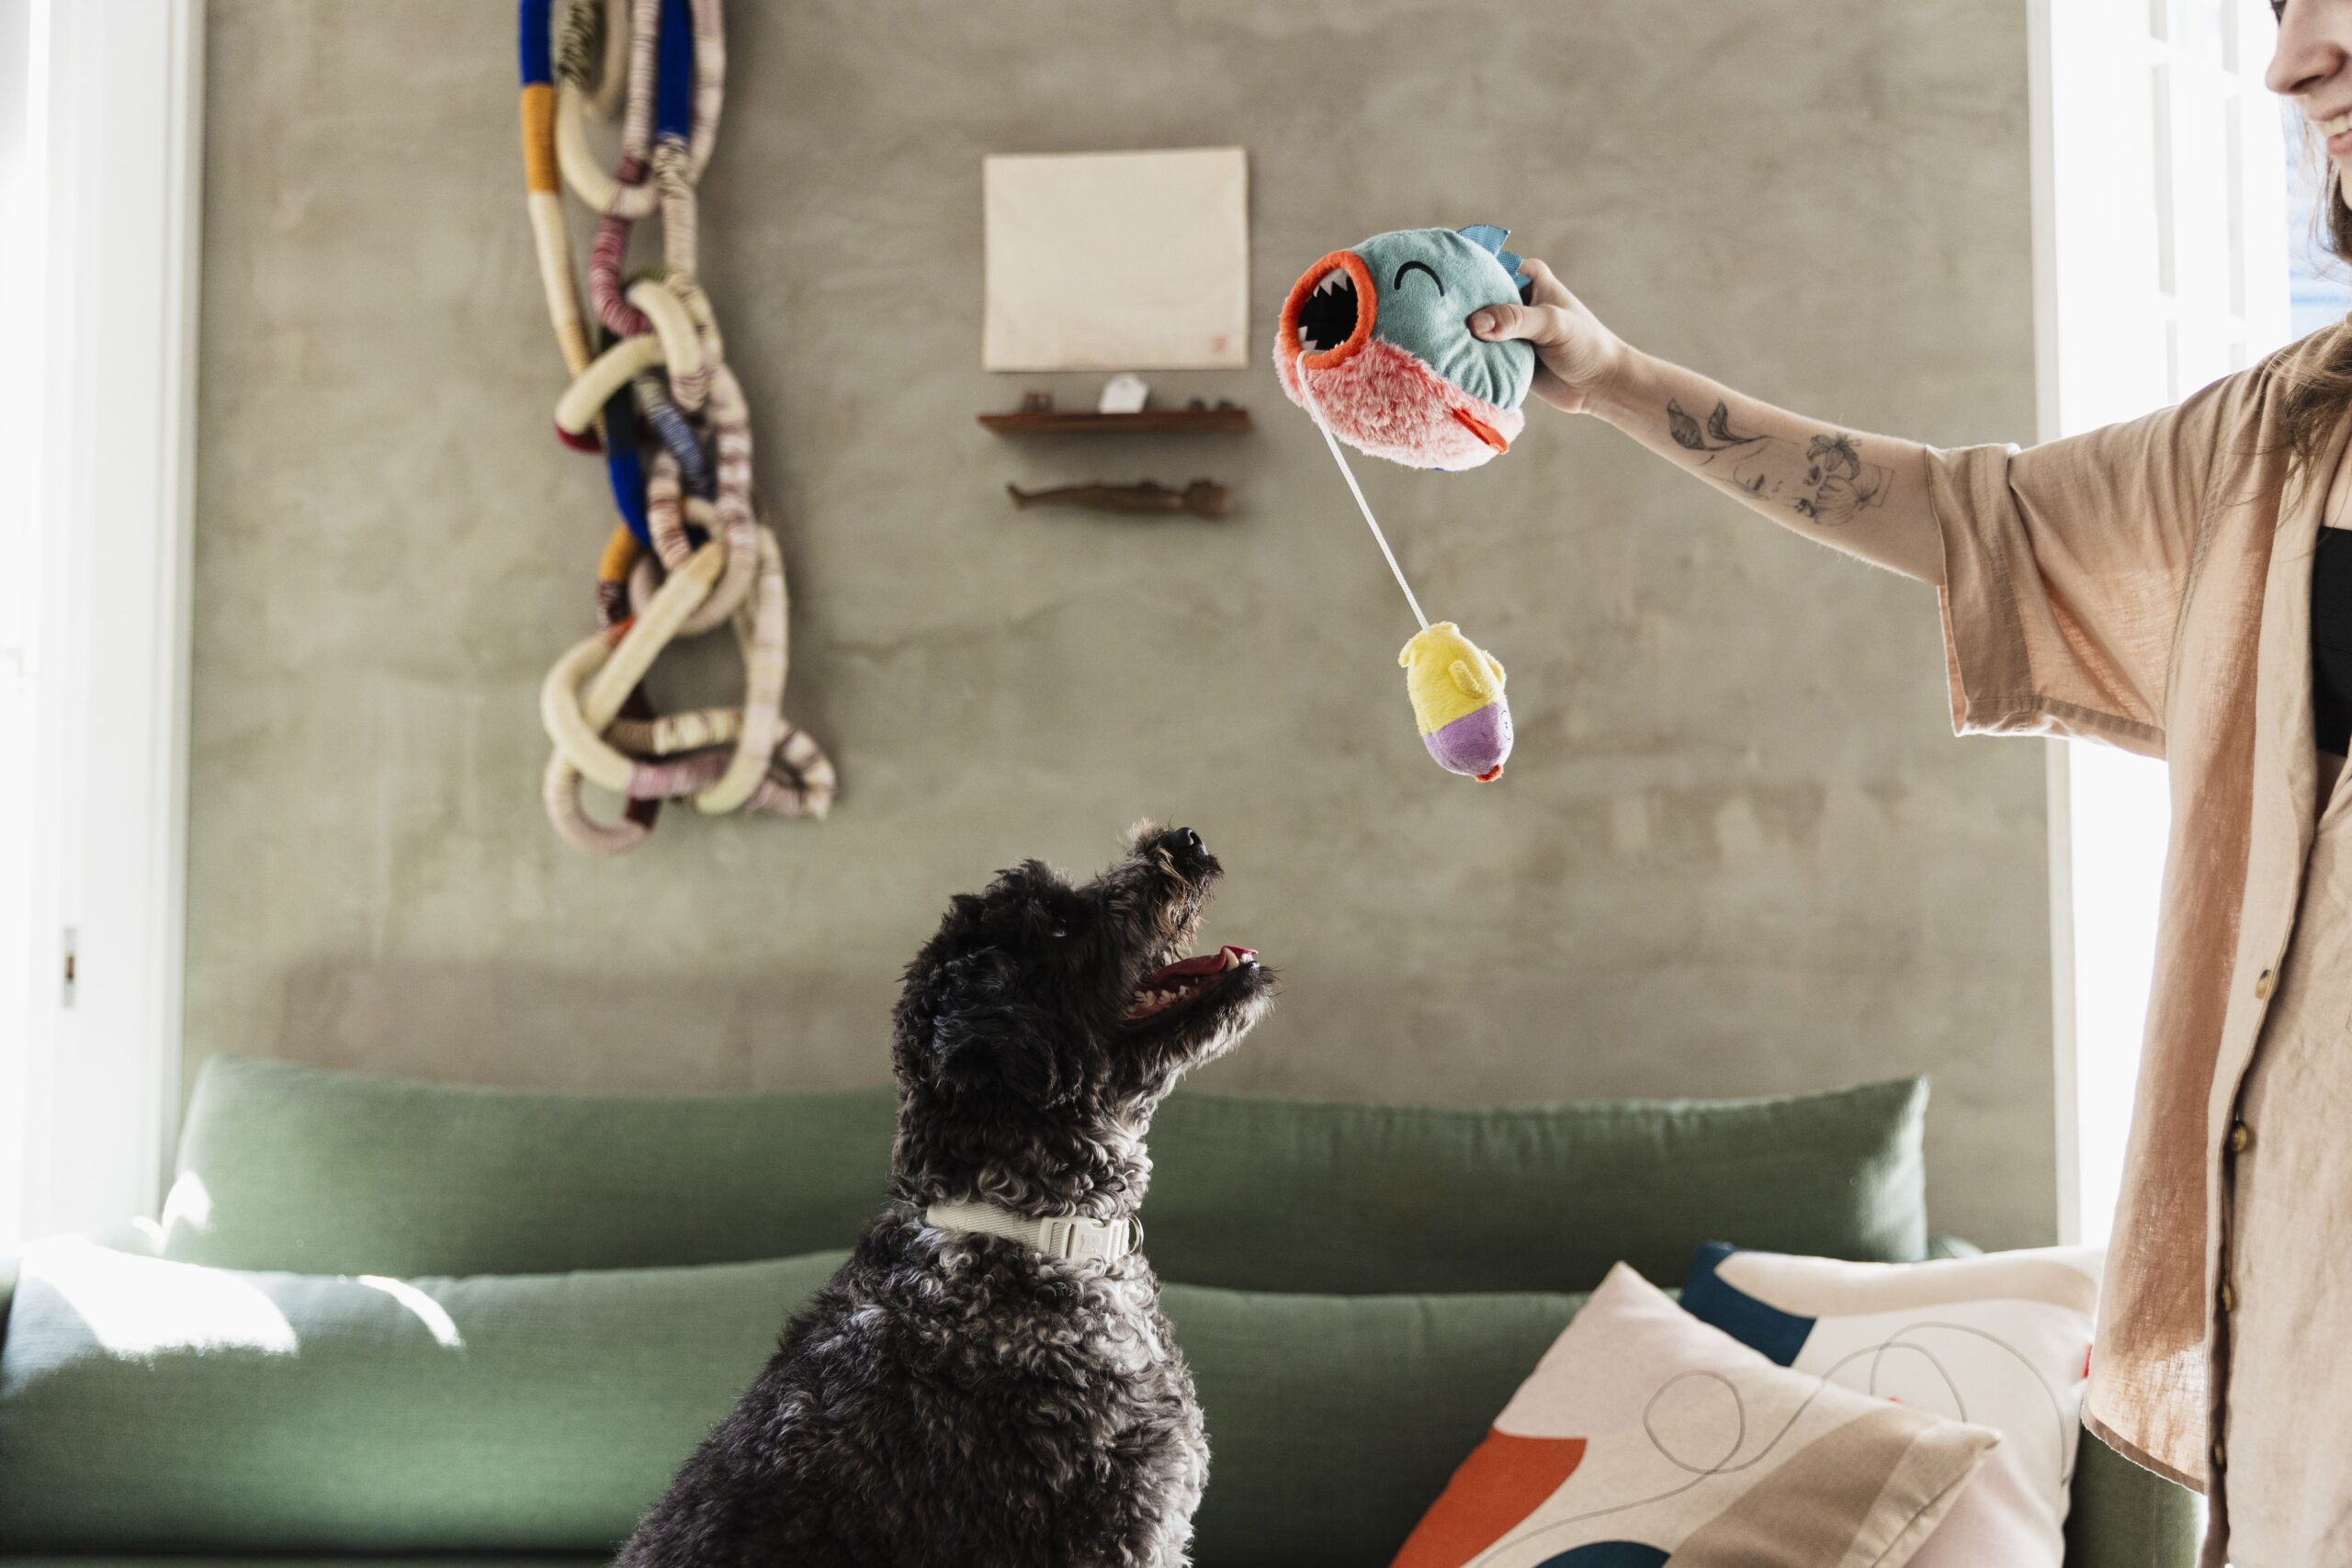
[989, 1382]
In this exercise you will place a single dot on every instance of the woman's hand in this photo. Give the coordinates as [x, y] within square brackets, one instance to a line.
[1575, 357]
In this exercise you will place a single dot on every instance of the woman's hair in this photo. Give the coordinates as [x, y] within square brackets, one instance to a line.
[2320, 390]
[2317, 394]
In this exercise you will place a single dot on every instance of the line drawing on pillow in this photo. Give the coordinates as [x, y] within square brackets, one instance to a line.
[1649, 1412]
[1876, 1354]
[1898, 1341]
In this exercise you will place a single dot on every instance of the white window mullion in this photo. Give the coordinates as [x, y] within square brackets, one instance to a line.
[89, 1076]
[2161, 250]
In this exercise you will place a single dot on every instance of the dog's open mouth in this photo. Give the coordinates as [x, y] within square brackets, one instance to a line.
[1176, 984]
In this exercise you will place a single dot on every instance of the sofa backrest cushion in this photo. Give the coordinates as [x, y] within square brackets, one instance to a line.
[1278, 1195]
[324, 1172]
[319, 1172]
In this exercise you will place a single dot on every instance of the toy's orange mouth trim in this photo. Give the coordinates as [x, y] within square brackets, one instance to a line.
[1328, 317]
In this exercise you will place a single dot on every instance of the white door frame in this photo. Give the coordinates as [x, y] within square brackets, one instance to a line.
[2160, 263]
[92, 1078]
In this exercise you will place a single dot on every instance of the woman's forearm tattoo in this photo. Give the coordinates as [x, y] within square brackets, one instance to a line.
[1825, 479]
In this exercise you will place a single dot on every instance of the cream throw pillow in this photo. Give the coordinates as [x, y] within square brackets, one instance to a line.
[1644, 1434]
[2003, 1340]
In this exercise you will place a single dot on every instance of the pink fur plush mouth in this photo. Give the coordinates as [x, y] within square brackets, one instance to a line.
[1385, 402]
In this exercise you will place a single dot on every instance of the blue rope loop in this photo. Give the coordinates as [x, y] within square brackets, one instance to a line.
[535, 43]
[674, 80]
[695, 473]
[622, 468]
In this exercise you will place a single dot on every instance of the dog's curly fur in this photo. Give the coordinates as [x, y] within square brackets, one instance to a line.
[960, 1401]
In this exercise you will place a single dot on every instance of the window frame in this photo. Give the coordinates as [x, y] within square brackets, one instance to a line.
[89, 1071]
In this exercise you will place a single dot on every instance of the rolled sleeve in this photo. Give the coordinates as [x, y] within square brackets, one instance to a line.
[1991, 679]
[2066, 566]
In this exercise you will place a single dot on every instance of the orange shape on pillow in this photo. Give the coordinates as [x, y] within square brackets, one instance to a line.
[1505, 1479]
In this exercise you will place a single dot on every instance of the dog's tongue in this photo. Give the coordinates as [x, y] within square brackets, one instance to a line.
[1224, 958]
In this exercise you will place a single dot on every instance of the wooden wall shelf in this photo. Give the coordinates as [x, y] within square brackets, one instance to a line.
[1150, 422]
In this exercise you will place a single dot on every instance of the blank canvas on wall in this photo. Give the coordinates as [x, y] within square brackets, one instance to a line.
[1117, 260]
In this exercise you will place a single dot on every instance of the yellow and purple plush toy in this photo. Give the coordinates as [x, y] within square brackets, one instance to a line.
[1376, 344]
[1457, 691]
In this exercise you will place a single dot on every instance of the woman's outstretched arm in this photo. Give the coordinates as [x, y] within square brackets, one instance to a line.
[1863, 494]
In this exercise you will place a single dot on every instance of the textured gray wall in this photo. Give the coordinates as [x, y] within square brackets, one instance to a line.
[1737, 849]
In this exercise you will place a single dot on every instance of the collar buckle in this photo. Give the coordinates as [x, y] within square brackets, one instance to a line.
[1088, 1241]
[1069, 1238]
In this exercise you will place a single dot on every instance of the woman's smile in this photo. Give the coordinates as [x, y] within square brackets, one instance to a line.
[2338, 129]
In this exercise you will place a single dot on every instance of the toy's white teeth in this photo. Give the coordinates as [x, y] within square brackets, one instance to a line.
[1326, 314]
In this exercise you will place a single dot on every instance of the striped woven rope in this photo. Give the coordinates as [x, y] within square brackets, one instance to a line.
[655, 398]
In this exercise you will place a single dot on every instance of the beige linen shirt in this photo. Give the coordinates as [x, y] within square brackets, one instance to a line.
[2148, 585]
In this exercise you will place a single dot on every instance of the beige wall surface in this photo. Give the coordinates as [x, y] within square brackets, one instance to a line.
[1737, 849]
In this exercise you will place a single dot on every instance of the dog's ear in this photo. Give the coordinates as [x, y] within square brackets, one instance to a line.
[983, 1035]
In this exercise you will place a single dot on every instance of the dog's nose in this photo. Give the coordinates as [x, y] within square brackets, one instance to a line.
[1183, 845]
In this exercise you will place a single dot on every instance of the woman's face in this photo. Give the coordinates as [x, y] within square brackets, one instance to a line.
[2312, 65]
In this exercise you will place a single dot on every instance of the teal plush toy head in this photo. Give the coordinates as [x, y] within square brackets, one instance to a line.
[1377, 336]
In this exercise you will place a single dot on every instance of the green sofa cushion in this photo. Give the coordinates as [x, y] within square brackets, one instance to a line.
[152, 1404]
[1276, 1195]
[269, 1560]
[324, 1172]
[2121, 1516]
[146, 1406]
[1335, 1421]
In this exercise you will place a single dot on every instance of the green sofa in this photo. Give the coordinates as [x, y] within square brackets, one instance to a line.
[400, 1321]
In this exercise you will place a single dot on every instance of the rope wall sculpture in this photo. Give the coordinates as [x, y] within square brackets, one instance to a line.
[690, 552]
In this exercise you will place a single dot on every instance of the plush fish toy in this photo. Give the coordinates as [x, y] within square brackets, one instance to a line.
[1374, 343]
[1379, 338]
[1457, 691]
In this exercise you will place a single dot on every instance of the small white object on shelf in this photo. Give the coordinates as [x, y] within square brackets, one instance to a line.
[1123, 394]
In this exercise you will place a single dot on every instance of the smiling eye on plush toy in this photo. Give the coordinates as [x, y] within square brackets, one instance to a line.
[1420, 268]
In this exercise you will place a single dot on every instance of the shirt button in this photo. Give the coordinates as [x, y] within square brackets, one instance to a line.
[2262, 986]
[2229, 1297]
[2241, 1137]
[2221, 1457]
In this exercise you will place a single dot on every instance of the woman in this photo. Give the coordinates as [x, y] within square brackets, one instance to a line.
[2179, 586]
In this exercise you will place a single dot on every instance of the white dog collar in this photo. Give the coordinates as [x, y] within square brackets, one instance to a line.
[1067, 1237]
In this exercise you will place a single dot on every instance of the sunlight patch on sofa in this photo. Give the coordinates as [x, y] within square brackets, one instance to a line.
[189, 1203]
[423, 1308]
[136, 1308]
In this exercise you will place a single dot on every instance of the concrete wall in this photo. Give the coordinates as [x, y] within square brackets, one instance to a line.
[1737, 849]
